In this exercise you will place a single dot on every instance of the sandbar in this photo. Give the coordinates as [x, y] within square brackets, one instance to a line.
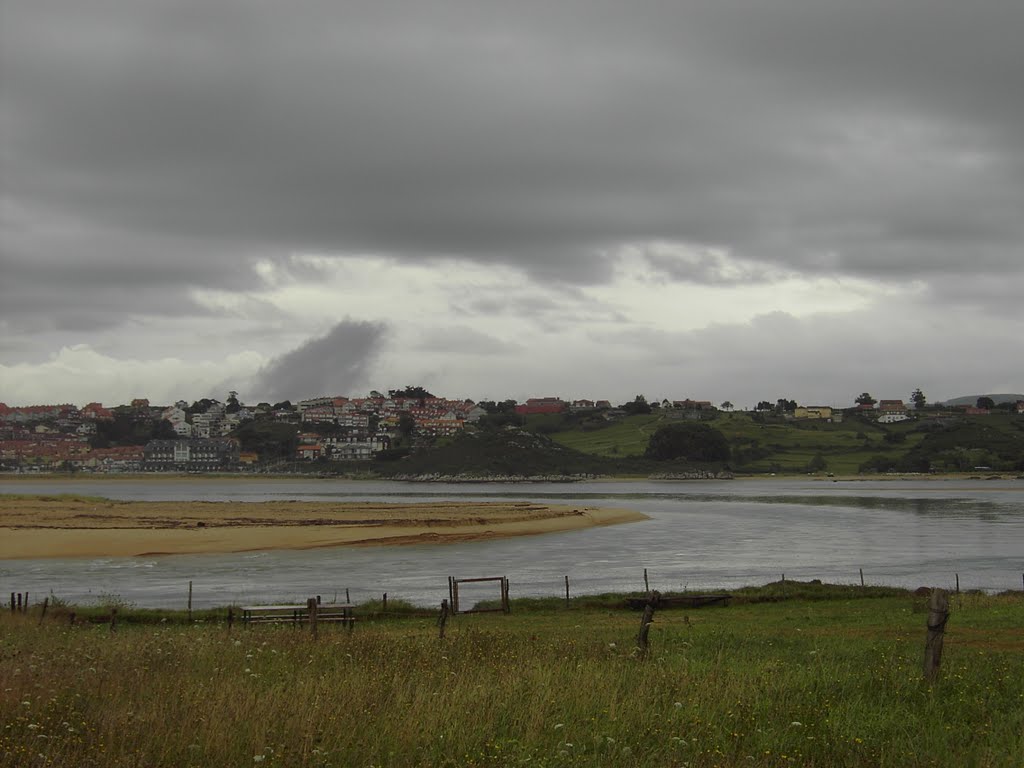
[68, 527]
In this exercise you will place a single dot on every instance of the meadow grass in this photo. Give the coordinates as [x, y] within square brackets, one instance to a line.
[810, 682]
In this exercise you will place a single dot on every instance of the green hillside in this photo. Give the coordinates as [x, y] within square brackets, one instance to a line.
[767, 443]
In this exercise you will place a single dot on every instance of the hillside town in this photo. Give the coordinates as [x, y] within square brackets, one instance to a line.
[213, 436]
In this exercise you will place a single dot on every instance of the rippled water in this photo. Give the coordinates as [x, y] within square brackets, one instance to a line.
[701, 535]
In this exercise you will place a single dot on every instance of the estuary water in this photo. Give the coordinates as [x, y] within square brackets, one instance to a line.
[701, 535]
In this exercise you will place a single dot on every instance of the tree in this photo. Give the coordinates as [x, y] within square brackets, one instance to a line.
[986, 402]
[785, 406]
[691, 440]
[638, 405]
[764, 405]
[406, 424]
[415, 393]
[817, 463]
[726, 406]
[865, 398]
[918, 399]
[200, 406]
[233, 406]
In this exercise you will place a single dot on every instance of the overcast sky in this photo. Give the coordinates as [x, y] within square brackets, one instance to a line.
[720, 200]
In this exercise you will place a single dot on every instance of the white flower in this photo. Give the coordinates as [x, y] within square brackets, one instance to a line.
[559, 725]
[796, 724]
[258, 758]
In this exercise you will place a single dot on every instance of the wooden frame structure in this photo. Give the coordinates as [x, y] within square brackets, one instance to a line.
[453, 594]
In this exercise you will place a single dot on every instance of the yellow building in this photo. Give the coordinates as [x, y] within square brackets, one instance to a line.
[820, 412]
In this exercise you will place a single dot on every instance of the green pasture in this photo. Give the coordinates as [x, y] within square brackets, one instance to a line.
[835, 681]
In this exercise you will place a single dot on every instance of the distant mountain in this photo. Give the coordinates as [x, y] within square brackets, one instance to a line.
[972, 399]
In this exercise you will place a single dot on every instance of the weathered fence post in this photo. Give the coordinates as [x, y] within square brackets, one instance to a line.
[938, 615]
[46, 604]
[647, 586]
[190, 601]
[113, 619]
[783, 585]
[646, 621]
[311, 609]
[567, 591]
[71, 619]
[25, 609]
[506, 607]
[231, 618]
[19, 602]
[384, 603]
[958, 583]
[12, 602]
[348, 600]
[442, 619]
[862, 578]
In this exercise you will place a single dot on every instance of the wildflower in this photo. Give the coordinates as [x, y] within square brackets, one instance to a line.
[559, 725]
[257, 758]
[796, 724]
[678, 705]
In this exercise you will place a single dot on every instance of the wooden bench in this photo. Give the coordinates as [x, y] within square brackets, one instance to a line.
[337, 613]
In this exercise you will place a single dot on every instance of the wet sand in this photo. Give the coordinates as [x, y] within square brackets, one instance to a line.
[63, 527]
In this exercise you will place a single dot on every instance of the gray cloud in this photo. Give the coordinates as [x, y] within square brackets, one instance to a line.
[526, 134]
[153, 148]
[336, 363]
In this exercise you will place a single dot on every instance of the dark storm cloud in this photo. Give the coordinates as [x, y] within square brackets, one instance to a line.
[873, 137]
[335, 363]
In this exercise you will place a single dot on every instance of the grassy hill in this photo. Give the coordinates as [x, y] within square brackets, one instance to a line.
[765, 444]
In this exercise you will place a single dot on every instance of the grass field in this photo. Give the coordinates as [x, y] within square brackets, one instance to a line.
[773, 445]
[809, 682]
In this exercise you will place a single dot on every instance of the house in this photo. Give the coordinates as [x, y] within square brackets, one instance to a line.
[537, 405]
[891, 411]
[689, 405]
[814, 412]
[309, 452]
[191, 455]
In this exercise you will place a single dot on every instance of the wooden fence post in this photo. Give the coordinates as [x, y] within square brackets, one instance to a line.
[938, 615]
[958, 583]
[231, 618]
[862, 578]
[19, 602]
[348, 600]
[113, 619]
[645, 623]
[442, 619]
[12, 602]
[311, 609]
[567, 591]
[46, 604]
[190, 601]
[647, 586]
[384, 603]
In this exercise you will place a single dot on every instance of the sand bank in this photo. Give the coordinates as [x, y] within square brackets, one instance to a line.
[86, 527]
